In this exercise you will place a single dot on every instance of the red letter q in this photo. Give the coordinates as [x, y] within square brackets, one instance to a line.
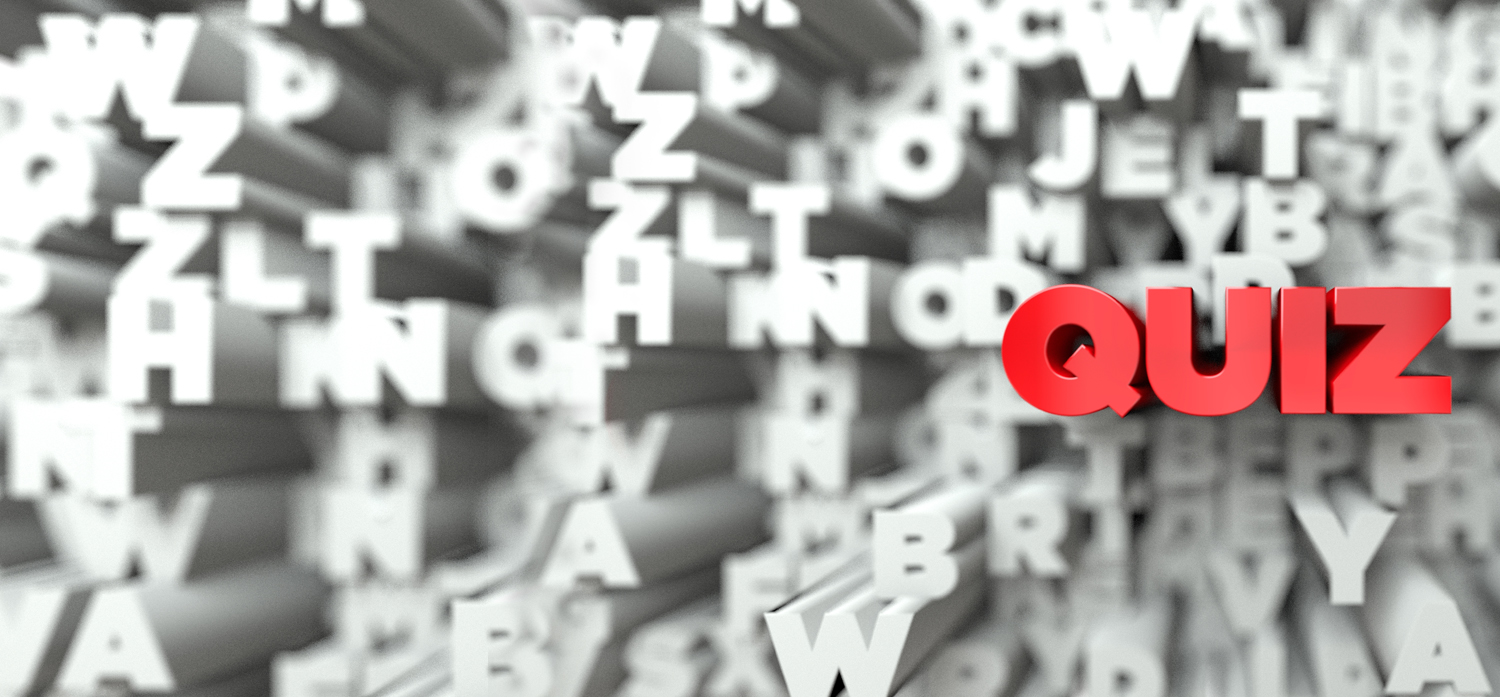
[1051, 374]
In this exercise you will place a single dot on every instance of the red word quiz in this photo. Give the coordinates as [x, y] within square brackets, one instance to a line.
[1073, 350]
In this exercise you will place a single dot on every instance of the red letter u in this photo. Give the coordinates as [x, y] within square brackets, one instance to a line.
[1171, 363]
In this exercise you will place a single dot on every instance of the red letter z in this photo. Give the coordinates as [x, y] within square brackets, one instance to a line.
[1391, 326]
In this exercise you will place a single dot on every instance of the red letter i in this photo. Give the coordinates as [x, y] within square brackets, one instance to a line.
[1302, 342]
